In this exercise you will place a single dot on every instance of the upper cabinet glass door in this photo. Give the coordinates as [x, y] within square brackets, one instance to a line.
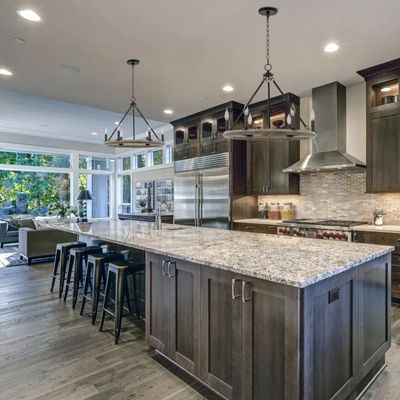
[385, 93]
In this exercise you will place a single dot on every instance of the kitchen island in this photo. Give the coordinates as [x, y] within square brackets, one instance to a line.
[262, 316]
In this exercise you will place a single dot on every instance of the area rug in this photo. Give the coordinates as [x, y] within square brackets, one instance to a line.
[11, 260]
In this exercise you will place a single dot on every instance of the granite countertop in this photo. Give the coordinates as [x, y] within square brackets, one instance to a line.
[261, 221]
[378, 228]
[292, 261]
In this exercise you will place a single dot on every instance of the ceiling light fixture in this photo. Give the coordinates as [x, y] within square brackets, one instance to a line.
[168, 111]
[228, 88]
[133, 143]
[266, 133]
[331, 47]
[94, 133]
[386, 89]
[30, 15]
[5, 72]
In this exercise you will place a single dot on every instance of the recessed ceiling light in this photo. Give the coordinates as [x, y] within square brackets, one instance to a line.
[228, 88]
[6, 72]
[30, 15]
[386, 89]
[331, 47]
[116, 122]
[94, 133]
[168, 111]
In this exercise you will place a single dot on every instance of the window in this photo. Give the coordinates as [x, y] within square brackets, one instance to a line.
[156, 157]
[124, 193]
[95, 163]
[28, 192]
[35, 159]
[126, 163]
[99, 187]
[169, 154]
[140, 160]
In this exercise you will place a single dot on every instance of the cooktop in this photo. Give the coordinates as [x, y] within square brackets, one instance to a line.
[326, 222]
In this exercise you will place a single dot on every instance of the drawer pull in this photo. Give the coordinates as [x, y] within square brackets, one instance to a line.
[234, 295]
[163, 267]
[244, 298]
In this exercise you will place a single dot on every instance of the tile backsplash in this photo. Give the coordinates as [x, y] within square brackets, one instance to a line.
[339, 195]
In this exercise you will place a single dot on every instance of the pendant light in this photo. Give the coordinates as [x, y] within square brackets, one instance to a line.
[134, 143]
[267, 132]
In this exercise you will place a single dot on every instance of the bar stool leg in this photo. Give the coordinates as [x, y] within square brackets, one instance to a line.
[63, 266]
[85, 289]
[127, 295]
[71, 263]
[105, 303]
[55, 269]
[77, 280]
[119, 302]
[97, 273]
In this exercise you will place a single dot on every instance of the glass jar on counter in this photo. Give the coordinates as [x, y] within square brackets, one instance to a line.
[274, 211]
[262, 211]
[288, 211]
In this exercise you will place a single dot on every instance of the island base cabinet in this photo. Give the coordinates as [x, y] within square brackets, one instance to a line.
[252, 339]
[172, 309]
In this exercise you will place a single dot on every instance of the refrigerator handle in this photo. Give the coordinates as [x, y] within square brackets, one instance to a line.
[196, 201]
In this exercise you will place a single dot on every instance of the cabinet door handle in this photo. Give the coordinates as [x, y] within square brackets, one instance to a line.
[171, 275]
[234, 295]
[163, 267]
[244, 298]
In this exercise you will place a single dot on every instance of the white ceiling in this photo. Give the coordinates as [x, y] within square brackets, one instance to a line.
[188, 48]
[38, 116]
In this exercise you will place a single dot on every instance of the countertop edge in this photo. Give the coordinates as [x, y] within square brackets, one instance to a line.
[255, 274]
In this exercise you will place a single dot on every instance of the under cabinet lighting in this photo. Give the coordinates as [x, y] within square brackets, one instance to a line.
[30, 15]
[386, 89]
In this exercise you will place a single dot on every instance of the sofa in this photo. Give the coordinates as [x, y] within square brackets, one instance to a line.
[8, 234]
[42, 242]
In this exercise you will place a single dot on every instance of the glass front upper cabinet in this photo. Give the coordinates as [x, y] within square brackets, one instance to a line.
[385, 93]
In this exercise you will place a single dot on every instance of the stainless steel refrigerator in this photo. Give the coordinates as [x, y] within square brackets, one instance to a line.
[201, 195]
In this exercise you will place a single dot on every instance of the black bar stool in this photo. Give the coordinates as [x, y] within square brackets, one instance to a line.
[60, 260]
[120, 272]
[77, 257]
[96, 267]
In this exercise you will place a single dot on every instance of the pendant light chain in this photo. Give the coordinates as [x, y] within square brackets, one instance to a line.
[133, 83]
[268, 65]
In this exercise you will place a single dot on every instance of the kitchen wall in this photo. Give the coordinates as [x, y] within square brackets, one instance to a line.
[339, 195]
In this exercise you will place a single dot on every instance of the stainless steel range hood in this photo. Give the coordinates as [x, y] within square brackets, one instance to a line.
[329, 105]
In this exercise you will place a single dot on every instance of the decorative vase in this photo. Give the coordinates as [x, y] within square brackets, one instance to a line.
[378, 220]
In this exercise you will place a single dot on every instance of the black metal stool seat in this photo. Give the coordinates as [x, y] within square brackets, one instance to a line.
[96, 267]
[77, 257]
[120, 271]
[60, 260]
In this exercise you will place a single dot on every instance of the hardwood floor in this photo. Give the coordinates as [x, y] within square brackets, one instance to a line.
[48, 351]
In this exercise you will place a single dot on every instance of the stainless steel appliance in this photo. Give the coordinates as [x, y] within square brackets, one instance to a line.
[201, 195]
[328, 229]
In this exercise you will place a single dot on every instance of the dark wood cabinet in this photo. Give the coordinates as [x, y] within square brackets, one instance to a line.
[201, 134]
[173, 309]
[387, 239]
[249, 338]
[220, 335]
[383, 166]
[383, 127]
[266, 160]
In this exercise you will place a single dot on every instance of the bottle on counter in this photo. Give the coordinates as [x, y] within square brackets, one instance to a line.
[261, 210]
[288, 211]
[274, 211]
